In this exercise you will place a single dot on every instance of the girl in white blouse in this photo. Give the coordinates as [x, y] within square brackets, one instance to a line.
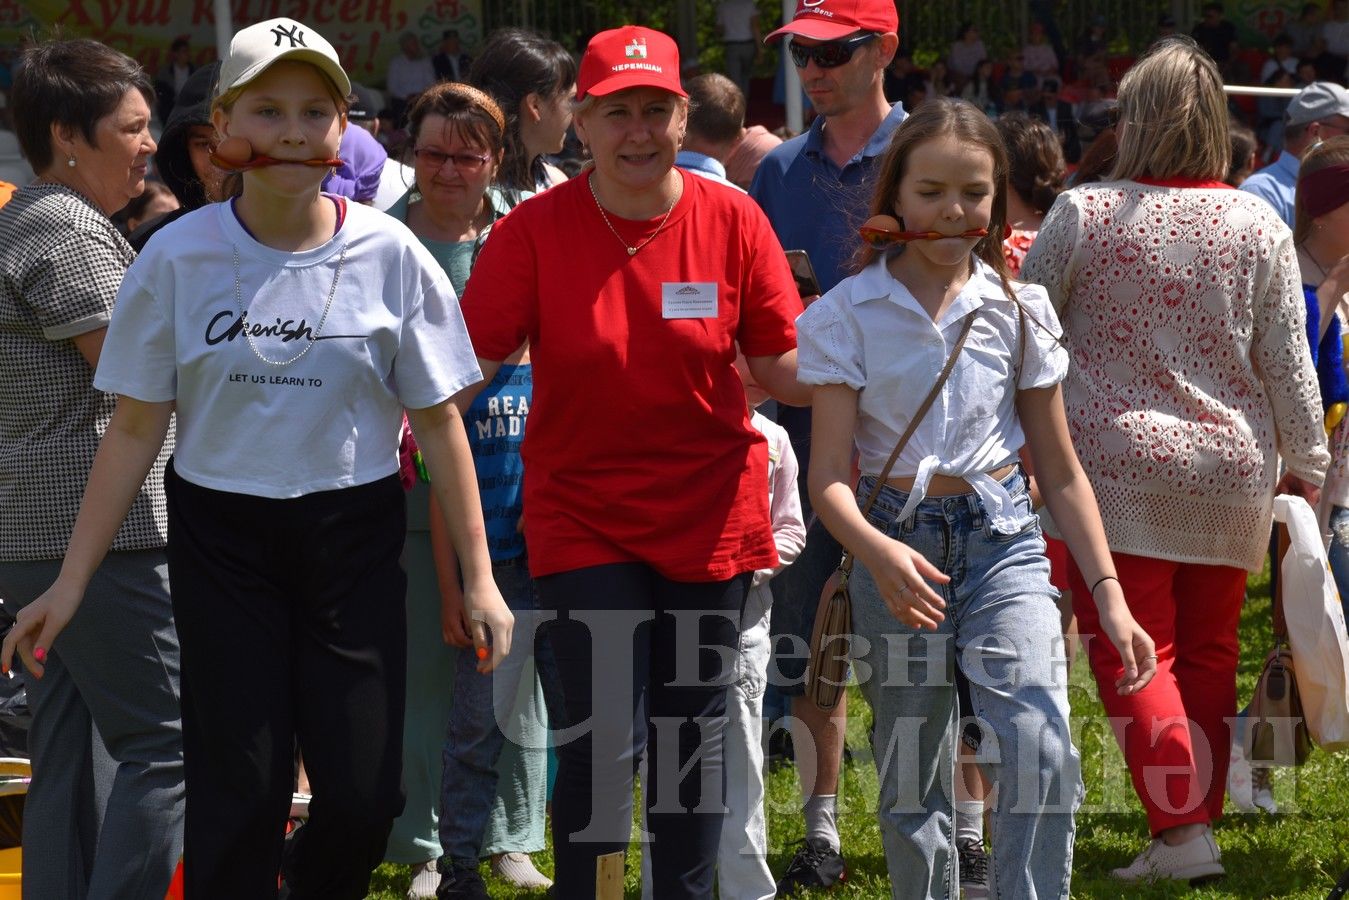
[951, 546]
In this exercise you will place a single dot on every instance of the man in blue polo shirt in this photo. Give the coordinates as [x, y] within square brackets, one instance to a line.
[1318, 111]
[816, 189]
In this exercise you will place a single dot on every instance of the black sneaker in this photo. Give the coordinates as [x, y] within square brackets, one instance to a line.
[461, 883]
[973, 870]
[815, 865]
[780, 750]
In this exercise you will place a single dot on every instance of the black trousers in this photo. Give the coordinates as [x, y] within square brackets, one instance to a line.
[645, 663]
[292, 623]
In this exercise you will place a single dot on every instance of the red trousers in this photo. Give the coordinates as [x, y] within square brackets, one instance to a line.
[1175, 732]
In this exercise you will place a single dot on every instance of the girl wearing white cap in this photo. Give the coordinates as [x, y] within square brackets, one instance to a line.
[288, 330]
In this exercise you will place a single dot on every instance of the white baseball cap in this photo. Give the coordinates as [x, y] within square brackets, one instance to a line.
[258, 46]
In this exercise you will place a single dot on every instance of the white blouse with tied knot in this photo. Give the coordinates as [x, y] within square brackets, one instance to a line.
[871, 334]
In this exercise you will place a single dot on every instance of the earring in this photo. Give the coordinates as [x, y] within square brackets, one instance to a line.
[70, 161]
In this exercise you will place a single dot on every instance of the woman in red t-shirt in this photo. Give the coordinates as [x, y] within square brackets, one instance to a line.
[645, 501]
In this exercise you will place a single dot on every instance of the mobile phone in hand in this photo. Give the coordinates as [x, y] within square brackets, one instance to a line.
[807, 285]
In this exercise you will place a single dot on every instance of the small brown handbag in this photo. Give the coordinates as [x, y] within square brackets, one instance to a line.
[1276, 727]
[827, 670]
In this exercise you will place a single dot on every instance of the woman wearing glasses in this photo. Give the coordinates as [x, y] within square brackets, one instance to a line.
[645, 501]
[492, 801]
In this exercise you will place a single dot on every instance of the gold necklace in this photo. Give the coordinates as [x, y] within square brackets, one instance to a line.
[632, 250]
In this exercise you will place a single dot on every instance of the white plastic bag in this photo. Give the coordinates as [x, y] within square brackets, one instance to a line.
[1316, 633]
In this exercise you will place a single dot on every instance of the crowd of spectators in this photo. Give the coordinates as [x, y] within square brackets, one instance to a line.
[1069, 88]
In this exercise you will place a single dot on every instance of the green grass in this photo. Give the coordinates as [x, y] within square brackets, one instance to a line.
[1299, 853]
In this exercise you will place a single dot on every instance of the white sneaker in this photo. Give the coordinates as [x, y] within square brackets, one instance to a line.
[1239, 776]
[425, 880]
[1195, 860]
[517, 869]
[1262, 789]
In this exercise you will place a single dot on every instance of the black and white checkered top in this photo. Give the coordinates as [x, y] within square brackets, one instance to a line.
[61, 264]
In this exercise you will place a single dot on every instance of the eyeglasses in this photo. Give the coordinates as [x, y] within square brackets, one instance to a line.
[828, 55]
[464, 162]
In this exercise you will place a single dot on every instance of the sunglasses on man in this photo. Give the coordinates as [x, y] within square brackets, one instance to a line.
[829, 55]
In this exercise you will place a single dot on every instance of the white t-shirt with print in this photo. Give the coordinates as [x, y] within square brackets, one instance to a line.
[393, 338]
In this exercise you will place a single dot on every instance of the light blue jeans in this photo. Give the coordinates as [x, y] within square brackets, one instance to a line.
[1002, 628]
[495, 778]
[1339, 554]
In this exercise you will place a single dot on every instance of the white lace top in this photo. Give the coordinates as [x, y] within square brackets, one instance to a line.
[1190, 369]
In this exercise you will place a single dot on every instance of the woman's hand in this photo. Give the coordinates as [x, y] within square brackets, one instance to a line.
[1298, 487]
[36, 627]
[488, 616]
[1134, 645]
[902, 575]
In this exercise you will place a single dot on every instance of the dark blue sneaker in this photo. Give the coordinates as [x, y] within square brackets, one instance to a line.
[461, 883]
[815, 865]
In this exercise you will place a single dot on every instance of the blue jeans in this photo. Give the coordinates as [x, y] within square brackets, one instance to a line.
[1339, 554]
[1002, 621]
[475, 736]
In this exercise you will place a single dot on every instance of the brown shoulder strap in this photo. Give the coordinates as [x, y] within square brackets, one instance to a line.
[918, 416]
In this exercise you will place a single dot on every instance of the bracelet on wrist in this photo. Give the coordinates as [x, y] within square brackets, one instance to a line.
[1100, 581]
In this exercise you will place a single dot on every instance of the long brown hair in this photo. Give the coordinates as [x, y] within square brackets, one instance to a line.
[940, 117]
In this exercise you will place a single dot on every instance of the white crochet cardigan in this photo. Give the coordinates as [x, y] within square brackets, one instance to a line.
[1190, 372]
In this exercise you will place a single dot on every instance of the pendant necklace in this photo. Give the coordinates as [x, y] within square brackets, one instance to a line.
[318, 329]
[632, 249]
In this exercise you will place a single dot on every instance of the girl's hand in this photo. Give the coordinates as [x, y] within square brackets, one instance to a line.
[454, 628]
[488, 616]
[36, 627]
[1134, 645]
[902, 575]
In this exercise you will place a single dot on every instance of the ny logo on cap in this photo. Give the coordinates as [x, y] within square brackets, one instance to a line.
[292, 34]
[637, 49]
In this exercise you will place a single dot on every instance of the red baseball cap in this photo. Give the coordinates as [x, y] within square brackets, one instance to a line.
[628, 57]
[829, 20]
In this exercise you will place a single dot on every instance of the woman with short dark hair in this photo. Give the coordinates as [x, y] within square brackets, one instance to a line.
[83, 114]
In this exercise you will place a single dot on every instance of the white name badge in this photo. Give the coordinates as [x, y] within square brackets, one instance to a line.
[689, 300]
